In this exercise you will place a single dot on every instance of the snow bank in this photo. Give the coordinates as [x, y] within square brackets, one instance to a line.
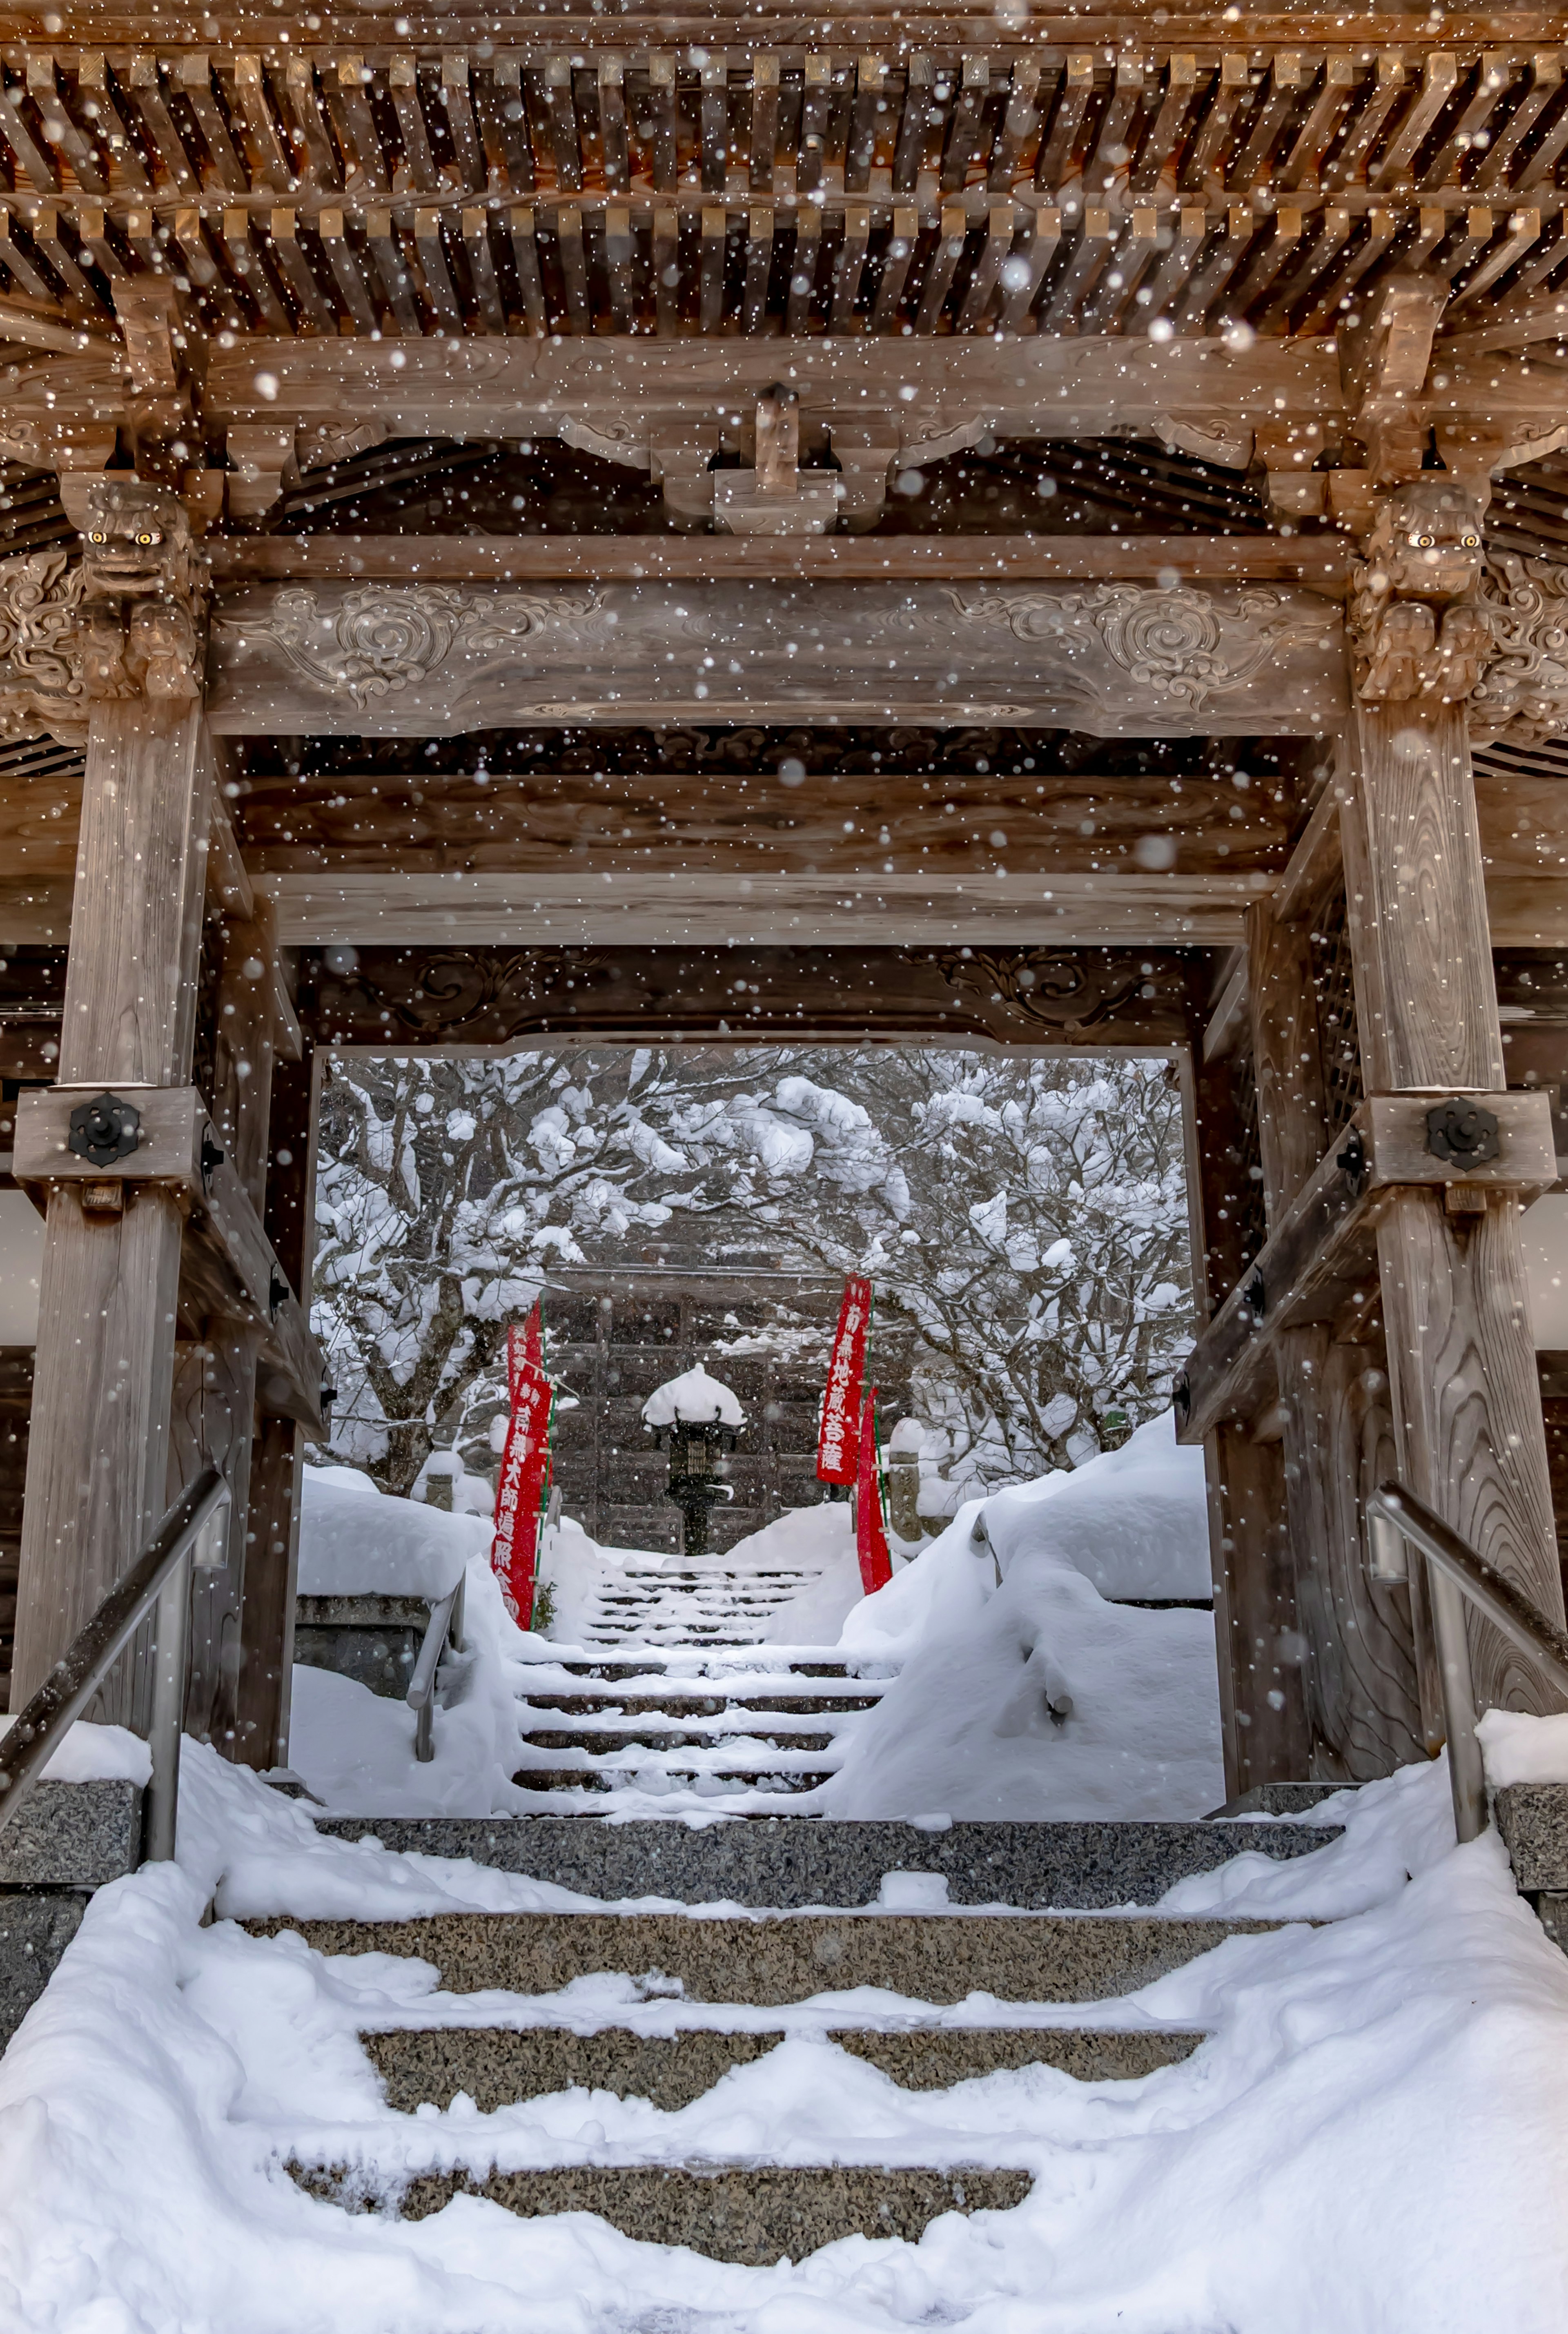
[355, 1748]
[1372, 2136]
[970, 1730]
[90, 1753]
[356, 1540]
[1520, 1750]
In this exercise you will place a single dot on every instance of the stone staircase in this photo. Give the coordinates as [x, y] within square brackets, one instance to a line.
[689, 1602]
[747, 1729]
[924, 1957]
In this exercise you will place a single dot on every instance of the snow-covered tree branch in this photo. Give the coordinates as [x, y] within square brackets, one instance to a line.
[1026, 1214]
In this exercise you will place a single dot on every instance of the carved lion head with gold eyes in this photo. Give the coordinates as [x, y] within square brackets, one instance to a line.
[1426, 542]
[136, 541]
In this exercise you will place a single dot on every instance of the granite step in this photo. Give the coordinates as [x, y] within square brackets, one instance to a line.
[673, 1737]
[611, 1663]
[499, 2066]
[779, 1782]
[678, 1704]
[787, 1861]
[741, 2213]
[770, 1961]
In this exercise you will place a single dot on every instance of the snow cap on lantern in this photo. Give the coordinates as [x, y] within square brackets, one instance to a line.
[694, 1399]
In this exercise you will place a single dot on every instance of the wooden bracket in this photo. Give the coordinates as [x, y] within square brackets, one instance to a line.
[1325, 1249]
[228, 1266]
[1383, 359]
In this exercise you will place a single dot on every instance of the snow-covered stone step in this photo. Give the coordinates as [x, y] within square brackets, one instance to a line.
[790, 1862]
[657, 1773]
[748, 2214]
[682, 1704]
[764, 1663]
[499, 2066]
[675, 1736]
[773, 1959]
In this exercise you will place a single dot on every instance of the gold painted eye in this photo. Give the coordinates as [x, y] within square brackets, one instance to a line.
[98, 535]
[1424, 542]
[147, 536]
[1471, 542]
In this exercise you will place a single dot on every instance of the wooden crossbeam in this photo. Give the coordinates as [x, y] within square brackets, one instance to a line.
[1323, 1251]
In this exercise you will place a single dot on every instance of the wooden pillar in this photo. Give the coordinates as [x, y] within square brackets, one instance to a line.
[1361, 1714]
[1467, 1408]
[272, 1540]
[97, 1458]
[1256, 1639]
[215, 1401]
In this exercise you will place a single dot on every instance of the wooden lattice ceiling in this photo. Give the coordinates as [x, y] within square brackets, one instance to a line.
[511, 185]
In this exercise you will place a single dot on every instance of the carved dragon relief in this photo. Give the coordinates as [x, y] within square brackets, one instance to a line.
[381, 639]
[1182, 646]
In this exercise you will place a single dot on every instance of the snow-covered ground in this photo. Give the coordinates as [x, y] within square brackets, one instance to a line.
[1373, 2136]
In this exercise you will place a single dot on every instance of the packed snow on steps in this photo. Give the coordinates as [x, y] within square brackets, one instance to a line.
[968, 1731]
[1282, 2180]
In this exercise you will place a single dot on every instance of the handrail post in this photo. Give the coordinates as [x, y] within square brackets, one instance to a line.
[171, 1622]
[1455, 1573]
[1466, 1774]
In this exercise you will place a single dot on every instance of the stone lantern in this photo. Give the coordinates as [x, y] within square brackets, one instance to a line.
[700, 1417]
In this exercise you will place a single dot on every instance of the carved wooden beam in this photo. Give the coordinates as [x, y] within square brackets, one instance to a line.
[1322, 561]
[433, 660]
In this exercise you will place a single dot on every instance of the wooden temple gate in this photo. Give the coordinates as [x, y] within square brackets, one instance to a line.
[924, 525]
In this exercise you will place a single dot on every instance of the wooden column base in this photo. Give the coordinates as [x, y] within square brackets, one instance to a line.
[1364, 1704]
[1262, 1699]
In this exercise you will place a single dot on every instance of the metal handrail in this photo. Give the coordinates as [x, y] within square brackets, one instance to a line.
[160, 1574]
[445, 1619]
[1457, 1572]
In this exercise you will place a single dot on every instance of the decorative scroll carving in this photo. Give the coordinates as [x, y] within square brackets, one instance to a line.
[1524, 691]
[484, 994]
[380, 638]
[41, 682]
[1416, 626]
[141, 605]
[1065, 993]
[1180, 646]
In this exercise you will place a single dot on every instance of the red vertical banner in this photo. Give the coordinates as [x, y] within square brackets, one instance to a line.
[837, 1455]
[519, 1495]
[871, 1524]
[525, 1348]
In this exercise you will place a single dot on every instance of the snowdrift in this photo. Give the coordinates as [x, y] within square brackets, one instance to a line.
[1037, 1697]
[357, 1541]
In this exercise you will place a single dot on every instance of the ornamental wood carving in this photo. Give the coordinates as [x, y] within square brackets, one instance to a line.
[41, 682]
[1524, 690]
[378, 641]
[1172, 644]
[1415, 625]
[1065, 993]
[142, 615]
[442, 660]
